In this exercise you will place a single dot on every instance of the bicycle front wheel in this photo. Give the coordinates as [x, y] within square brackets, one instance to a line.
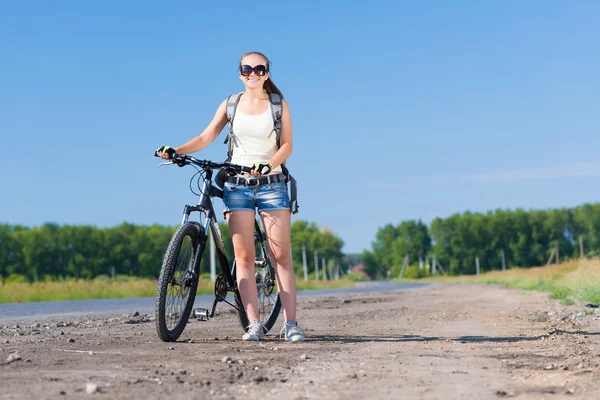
[178, 282]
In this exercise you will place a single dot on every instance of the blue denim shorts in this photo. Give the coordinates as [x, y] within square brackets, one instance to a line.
[270, 196]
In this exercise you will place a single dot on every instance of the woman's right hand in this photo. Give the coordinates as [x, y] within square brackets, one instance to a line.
[165, 152]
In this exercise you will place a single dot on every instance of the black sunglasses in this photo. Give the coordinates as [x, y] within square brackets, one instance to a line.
[259, 70]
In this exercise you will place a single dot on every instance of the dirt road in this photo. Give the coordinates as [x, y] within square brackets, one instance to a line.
[443, 342]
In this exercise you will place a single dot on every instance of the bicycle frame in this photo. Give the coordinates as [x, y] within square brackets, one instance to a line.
[174, 299]
[205, 207]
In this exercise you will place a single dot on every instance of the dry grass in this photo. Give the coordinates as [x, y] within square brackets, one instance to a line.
[79, 289]
[574, 279]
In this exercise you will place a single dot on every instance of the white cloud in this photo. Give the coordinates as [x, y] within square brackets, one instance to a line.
[572, 170]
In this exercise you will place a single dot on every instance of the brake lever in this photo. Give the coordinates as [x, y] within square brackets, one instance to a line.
[165, 163]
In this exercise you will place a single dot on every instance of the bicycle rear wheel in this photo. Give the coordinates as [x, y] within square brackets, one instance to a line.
[178, 282]
[269, 303]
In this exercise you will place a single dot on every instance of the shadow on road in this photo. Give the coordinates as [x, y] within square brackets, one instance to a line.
[419, 338]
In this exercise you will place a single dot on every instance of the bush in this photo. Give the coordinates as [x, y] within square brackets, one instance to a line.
[414, 272]
[205, 276]
[311, 276]
[356, 277]
[16, 278]
[125, 278]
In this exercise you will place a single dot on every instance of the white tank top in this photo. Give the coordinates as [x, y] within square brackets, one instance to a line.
[256, 139]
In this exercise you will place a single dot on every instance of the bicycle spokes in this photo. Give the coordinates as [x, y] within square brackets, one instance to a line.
[181, 281]
[265, 285]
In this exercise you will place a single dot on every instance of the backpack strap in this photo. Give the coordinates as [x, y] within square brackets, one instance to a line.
[293, 193]
[232, 103]
[293, 188]
[276, 107]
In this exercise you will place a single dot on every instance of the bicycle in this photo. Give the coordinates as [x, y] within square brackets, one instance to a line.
[180, 270]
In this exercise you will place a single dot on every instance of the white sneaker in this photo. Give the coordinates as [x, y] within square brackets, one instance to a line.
[292, 331]
[255, 331]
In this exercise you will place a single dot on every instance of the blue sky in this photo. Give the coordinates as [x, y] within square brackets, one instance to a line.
[405, 110]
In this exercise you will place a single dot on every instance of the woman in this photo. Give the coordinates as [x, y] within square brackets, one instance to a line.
[256, 147]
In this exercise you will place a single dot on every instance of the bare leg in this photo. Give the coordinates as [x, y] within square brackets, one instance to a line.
[277, 229]
[241, 227]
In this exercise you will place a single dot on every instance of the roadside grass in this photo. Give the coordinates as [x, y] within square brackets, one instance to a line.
[104, 288]
[579, 280]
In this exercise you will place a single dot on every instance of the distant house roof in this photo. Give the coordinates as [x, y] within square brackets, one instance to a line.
[359, 269]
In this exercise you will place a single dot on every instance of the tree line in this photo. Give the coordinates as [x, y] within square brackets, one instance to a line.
[53, 251]
[524, 238]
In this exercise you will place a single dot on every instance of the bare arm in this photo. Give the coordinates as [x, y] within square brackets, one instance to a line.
[209, 135]
[285, 137]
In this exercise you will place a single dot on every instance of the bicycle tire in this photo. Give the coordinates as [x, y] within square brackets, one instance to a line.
[169, 275]
[269, 306]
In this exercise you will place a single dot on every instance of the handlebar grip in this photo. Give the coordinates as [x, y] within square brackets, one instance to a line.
[173, 158]
[166, 149]
[156, 154]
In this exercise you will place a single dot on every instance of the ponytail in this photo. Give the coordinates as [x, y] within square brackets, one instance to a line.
[271, 88]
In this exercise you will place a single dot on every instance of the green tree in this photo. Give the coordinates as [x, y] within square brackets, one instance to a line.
[412, 240]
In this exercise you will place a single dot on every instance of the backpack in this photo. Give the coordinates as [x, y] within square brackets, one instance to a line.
[276, 107]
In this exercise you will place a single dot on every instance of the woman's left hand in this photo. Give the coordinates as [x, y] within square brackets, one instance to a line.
[261, 169]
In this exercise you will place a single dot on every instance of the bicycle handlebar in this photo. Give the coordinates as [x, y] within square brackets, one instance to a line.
[182, 159]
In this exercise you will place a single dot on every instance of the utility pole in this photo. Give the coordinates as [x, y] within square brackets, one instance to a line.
[477, 264]
[551, 256]
[433, 265]
[404, 265]
[316, 266]
[304, 263]
[440, 267]
[324, 268]
[503, 261]
[557, 257]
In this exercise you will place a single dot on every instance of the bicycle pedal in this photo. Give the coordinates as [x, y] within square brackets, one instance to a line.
[201, 314]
